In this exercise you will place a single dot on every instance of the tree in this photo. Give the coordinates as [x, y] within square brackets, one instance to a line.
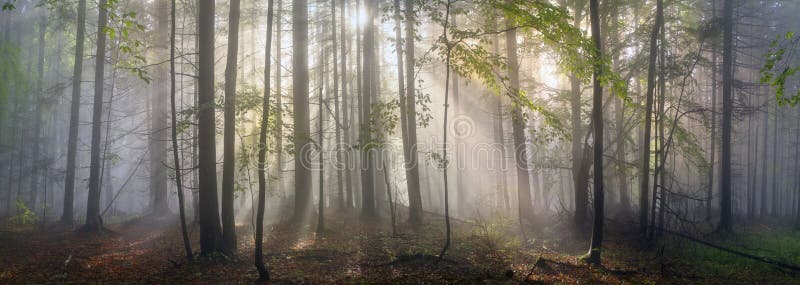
[347, 111]
[210, 232]
[158, 120]
[175, 151]
[597, 122]
[411, 156]
[726, 215]
[518, 125]
[74, 116]
[263, 273]
[712, 160]
[302, 130]
[337, 112]
[368, 84]
[229, 140]
[448, 54]
[37, 116]
[93, 221]
[580, 165]
[644, 179]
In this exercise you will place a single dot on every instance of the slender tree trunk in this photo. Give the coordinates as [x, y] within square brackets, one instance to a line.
[263, 273]
[597, 122]
[500, 139]
[580, 168]
[210, 232]
[754, 196]
[367, 153]
[619, 108]
[644, 179]
[775, 208]
[229, 140]
[389, 195]
[444, 132]
[764, 210]
[347, 111]
[37, 116]
[337, 111]
[322, 85]
[93, 221]
[726, 218]
[712, 160]
[187, 246]
[278, 170]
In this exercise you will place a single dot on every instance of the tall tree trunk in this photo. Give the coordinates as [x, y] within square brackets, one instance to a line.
[347, 111]
[774, 209]
[580, 167]
[726, 217]
[158, 122]
[37, 116]
[337, 111]
[518, 127]
[764, 210]
[461, 191]
[597, 122]
[754, 177]
[502, 191]
[712, 161]
[619, 108]
[229, 140]
[367, 154]
[302, 130]
[210, 232]
[444, 131]
[411, 156]
[644, 179]
[263, 273]
[93, 221]
[278, 170]
[187, 246]
[322, 88]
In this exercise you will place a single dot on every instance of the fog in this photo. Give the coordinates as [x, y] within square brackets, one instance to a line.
[678, 118]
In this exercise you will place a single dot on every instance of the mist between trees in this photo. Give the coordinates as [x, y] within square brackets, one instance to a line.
[246, 123]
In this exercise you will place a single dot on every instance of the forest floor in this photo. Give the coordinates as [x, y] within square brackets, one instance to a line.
[149, 250]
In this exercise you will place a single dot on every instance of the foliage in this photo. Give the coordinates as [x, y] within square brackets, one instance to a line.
[120, 27]
[778, 68]
[9, 5]
[466, 49]
[24, 215]
[382, 122]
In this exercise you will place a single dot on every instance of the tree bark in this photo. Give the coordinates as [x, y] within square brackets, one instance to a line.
[412, 157]
[302, 132]
[518, 126]
[158, 120]
[229, 139]
[726, 217]
[367, 153]
[210, 232]
[597, 122]
[337, 111]
[93, 221]
[187, 246]
[263, 273]
[644, 179]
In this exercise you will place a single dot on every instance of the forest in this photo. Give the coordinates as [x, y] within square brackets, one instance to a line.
[399, 141]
